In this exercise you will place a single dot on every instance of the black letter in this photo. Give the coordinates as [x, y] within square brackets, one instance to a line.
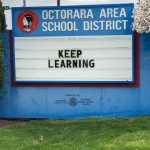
[62, 64]
[56, 63]
[60, 53]
[91, 63]
[79, 52]
[49, 64]
[68, 63]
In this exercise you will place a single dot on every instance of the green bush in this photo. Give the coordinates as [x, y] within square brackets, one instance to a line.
[2, 28]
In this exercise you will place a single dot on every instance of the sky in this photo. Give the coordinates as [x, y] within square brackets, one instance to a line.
[19, 3]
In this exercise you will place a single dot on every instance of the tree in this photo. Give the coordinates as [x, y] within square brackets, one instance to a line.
[141, 15]
[2, 28]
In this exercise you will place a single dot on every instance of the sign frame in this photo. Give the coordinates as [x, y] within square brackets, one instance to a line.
[135, 64]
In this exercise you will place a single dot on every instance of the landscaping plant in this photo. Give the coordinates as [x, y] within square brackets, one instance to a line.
[141, 15]
[2, 28]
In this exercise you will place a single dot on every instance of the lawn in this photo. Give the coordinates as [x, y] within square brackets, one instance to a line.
[80, 134]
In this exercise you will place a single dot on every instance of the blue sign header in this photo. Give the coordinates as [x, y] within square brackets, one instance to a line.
[73, 20]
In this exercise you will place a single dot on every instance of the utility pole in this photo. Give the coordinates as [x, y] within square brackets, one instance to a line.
[24, 3]
[58, 2]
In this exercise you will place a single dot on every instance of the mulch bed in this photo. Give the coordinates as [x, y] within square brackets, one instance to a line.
[10, 122]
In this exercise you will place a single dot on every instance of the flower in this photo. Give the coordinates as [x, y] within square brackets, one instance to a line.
[141, 16]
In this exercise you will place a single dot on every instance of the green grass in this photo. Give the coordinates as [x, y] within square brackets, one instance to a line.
[81, 134]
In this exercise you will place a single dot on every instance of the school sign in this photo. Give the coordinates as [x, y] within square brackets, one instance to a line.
[73, 44]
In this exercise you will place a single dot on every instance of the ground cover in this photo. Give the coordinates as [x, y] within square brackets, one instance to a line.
[80, 134]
